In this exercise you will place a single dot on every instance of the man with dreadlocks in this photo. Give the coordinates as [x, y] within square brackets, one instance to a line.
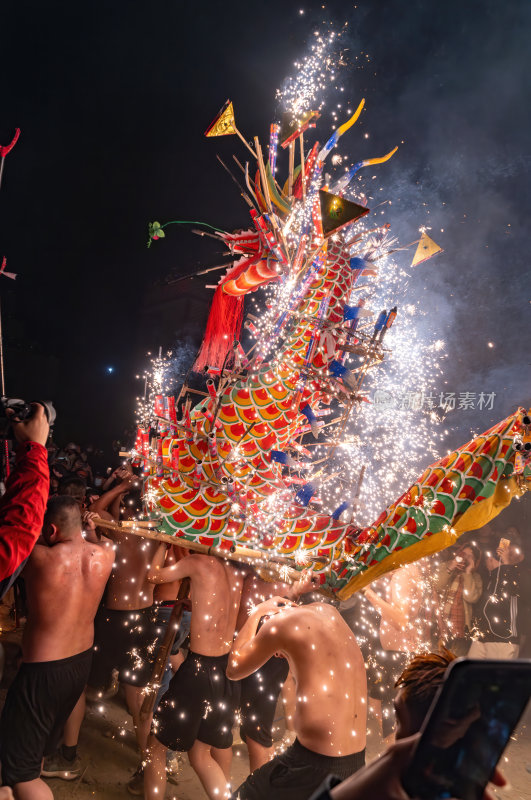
[417, 686]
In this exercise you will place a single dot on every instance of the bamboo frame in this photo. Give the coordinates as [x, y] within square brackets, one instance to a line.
[244, 140]
[291, 152]
[263, 176]
[301, 142]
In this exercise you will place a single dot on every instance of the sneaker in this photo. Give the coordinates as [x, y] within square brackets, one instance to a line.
[136, 784]
[57, 766]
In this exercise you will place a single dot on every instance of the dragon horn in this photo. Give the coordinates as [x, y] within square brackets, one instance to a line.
[343, 182]
[339, 132]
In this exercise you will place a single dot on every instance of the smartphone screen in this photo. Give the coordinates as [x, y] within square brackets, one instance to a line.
[467, 728]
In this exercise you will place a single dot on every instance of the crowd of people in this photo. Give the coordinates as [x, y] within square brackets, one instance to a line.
[99, 601]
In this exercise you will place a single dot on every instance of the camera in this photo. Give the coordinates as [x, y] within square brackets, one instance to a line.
[23, 411]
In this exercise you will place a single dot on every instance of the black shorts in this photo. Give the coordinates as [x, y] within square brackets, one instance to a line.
[38, 703]
[295, 774]
[200, 704]
[127, 641]
[259, 697]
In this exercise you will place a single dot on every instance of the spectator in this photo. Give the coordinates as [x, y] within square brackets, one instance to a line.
[68, 455]
[73, 486]
[461, 586]
[82, 468]
[417, 686]
[23, 504]
[498, 621]
[57, 472]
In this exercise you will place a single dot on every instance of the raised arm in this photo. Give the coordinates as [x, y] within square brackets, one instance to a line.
[403, 605]
[251, 649]
[308, 581]
[103, 505]
[157, 573]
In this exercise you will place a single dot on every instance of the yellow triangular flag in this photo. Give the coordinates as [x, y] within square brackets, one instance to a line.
[426, 249]
[224, 122]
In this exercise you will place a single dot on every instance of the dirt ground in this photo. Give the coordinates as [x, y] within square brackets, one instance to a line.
[109, 758]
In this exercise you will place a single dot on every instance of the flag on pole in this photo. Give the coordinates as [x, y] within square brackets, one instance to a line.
[336, 212]
[426, 249]
[224, 123]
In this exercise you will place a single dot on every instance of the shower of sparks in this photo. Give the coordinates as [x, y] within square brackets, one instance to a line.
[308, 88]
[157, 379]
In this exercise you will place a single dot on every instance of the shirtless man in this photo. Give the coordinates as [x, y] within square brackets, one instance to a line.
[331, 707]
[65, 577]
[260, 690]
[126, 630]
[400, 635]
[126, 634]
[196, 714]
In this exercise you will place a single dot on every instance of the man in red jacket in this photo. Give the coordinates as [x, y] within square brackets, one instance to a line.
[24, 502]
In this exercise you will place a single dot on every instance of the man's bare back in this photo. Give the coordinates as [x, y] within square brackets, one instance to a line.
[216, 588]
[64, 582]
[128, 588]
[331, 709]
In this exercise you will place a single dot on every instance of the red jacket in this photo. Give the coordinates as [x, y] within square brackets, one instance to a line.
[22, 510]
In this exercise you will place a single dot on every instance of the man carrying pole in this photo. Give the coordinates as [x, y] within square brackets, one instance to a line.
[196, 714]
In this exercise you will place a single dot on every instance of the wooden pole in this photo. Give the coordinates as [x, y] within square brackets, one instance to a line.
[245, 555]
[244, 140]
[163, 652]
[263, 176]
[291, 168]
[301, 142]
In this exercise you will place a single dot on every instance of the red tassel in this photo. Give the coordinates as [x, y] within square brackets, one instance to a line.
[223, 327]
[224, 320]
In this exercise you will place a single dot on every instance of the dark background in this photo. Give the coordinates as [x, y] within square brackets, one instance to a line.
[113, 99]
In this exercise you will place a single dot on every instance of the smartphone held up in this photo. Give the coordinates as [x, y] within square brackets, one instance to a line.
[467, 728]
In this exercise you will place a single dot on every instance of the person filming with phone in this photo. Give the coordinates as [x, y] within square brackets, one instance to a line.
[500, 609]
[23, 505]
[460, 585]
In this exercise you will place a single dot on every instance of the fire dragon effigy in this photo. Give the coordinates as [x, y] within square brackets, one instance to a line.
[236, 468]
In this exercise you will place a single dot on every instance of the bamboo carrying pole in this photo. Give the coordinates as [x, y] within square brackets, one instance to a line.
[244, 555]
[163, 652]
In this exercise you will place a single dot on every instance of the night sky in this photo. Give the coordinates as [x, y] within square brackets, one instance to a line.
[113, 99]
